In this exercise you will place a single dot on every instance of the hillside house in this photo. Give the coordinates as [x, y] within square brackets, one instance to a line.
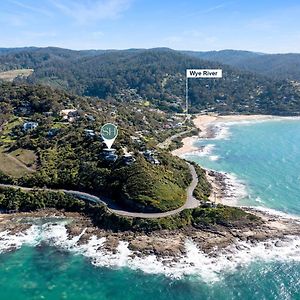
[109, 154]
[89, 133]
[69, 114]
[128, 159]
[150, 157]
[30, 125]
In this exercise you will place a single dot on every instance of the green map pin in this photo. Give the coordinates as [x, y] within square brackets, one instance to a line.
[109, 133]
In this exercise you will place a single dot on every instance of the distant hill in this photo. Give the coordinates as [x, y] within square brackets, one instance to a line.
[158, 76]
[229, 57]
[4, 51]
[276, 66]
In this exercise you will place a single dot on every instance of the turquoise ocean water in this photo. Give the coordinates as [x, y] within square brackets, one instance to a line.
[264, 156]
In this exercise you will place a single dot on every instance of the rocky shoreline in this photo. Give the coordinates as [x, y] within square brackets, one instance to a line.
[272, 230]
[211, 240]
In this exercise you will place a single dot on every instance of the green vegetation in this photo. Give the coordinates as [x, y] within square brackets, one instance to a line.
[152, 188]
[158, 76]
[68, 158]
[203, 188]
[64, 156]
[222, 215]
[11, 199]
[27, 157]
[7, 126]
[11, 167]
[276, 66]
[197, 218]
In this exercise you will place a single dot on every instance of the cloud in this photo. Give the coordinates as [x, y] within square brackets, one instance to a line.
[36, 9]
[213, 8]
[210, 9]
[90, 11]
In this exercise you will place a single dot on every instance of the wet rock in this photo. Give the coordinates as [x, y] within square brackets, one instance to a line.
[279, 244]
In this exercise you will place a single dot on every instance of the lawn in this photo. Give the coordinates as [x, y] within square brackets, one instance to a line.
[5, 137]
[10, 167]
[27, 157]
[19, 162]
[12, 74]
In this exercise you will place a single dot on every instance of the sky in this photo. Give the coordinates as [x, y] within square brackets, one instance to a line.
[270, 26]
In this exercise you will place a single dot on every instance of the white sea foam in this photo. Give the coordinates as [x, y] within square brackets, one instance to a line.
[235, 189]
[214, 157]
[258, 200]
[259, 120]
[221, 131]
[209, 268]
[15, 241]
[202, 151]
[274, 212]
[195, 262]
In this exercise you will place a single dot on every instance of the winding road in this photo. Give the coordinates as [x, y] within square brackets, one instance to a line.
[166, 143]
[191, 201]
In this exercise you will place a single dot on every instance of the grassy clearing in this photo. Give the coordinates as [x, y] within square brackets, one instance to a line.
[59, 125]
[19, 162]
[11, 168]
[12, 74]
[11, 124]
[7, 129]
[27, 157]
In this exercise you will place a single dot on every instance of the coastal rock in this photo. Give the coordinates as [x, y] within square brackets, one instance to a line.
[279, 244]
[172, 243]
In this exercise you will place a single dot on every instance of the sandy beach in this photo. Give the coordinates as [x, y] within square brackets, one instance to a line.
[170, 251]
[207, 126]
[206, 122]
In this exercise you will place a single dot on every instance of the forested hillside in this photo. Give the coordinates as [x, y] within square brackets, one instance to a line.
[50, 138]
[156, 75]
[228, 57]
[275, 66]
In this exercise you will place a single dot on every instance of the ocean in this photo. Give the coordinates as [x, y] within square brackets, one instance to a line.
[262, 163]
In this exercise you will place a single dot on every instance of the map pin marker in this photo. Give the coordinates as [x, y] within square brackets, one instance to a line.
[109, 133]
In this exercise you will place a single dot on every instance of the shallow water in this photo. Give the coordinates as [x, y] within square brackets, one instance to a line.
[48, 273]
[263, 155]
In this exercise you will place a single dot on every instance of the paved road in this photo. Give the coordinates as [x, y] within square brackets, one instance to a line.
[191, 202]
[166, 143]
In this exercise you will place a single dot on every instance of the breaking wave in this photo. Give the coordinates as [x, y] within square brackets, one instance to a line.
[209, 268]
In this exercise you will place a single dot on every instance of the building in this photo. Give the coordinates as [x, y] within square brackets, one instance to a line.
[52, 132]
[109, 154]
[128, 159]
[30, 125]
[48, 113]
[90, 118]
[69, 114]
[89, 133]
[150, 157]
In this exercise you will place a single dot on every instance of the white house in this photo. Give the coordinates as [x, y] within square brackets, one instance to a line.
[30, 125]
